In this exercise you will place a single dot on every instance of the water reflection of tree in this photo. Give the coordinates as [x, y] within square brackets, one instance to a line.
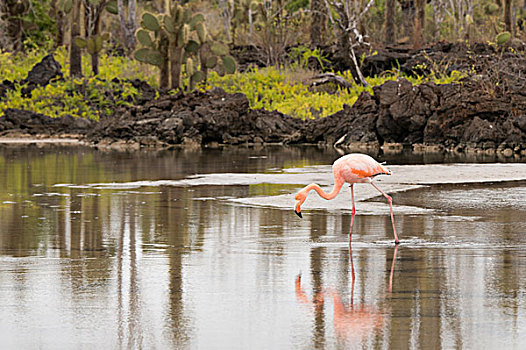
[318, 229]
[172, 211]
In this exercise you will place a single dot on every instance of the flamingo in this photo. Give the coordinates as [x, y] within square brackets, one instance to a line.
[352, 322]
[351, 168]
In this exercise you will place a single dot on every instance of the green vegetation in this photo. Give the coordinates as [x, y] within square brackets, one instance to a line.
[269, 88]
[273, 89]
[180, 39]
[87, 97]
[177, 45]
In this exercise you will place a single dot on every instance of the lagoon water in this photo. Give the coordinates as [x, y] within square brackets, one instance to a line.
[202, 250]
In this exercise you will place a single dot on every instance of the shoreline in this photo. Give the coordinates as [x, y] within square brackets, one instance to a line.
[388, 148]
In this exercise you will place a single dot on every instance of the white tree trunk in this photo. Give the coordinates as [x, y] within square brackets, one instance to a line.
[128, 24]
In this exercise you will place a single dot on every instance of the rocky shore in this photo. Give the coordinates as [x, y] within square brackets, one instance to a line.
[483, 114]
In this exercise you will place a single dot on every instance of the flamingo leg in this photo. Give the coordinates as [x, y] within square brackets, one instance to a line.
[390, 201]
[352, 276]
[390, 288]
[352, 215]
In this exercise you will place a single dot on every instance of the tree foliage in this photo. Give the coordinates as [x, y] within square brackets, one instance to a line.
[266, 24]
[272, 27]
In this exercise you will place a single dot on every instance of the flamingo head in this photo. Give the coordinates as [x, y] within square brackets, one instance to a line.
[300, 198]
[385, 170]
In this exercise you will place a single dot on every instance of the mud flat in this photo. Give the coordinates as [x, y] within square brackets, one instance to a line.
[404, 178]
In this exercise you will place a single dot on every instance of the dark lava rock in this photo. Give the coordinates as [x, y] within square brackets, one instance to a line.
[21, 121]
[398, 112]
[247, 56]
[520, 122]
[197, 118]
[4, 86]
[146, 92]
[42, 73]
[353, 124]
[439, 56]
[404, 110]
[468, 115]
[448, 114]
[487, 110]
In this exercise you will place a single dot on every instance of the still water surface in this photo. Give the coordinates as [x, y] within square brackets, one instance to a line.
[125, 250]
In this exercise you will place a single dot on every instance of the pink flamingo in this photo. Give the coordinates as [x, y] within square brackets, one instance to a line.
[352, 322]
[351, 168]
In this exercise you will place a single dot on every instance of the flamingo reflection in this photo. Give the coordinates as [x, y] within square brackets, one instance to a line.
[353, 322]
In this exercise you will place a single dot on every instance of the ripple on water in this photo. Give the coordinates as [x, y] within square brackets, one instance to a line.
[417, 242]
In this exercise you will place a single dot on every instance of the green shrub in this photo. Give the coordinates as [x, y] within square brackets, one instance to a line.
[89, 97]
[273, 89]
[269, 88]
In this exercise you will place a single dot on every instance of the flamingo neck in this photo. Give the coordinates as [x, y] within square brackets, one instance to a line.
[335, 190]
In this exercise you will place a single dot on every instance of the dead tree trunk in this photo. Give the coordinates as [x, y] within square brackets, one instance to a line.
[350, 14]
[508, 4]
[318, 22]
[389, 21]
[75, 56]
[418, 30]
[128, 25]
[408, 13]
[11, 12]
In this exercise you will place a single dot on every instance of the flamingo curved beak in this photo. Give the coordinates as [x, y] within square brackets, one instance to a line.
[297, 209]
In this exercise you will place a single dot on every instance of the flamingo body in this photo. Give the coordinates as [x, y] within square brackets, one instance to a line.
[357, 168]
[351, 168]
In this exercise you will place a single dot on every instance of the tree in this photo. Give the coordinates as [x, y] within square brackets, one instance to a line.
[58, 13]
[11, 12]
[226, 13]
[389, 21]
[350, 14]
[276, 31]
[461, 14]
[318, 22]
[439, 11]
[75, 56]
[128, 25]
[408, 13]
[93, 38]
[243, 15]
[508, 22]
[420, 17]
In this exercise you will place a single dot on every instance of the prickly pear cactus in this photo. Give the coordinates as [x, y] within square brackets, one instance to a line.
[190, 48]
[94, 41]
[92, 44]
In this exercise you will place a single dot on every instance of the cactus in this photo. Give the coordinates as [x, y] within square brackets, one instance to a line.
[196, 78]
[93, 45]
[189, 46]
[144, 38]
[219, 49]
[171, 26]
[229, 64]
[201, 32]
[93, 42]
[111, 7]
[214, 55]
[491, 8]
[503, 38]
[149, 56]
[150, 22]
